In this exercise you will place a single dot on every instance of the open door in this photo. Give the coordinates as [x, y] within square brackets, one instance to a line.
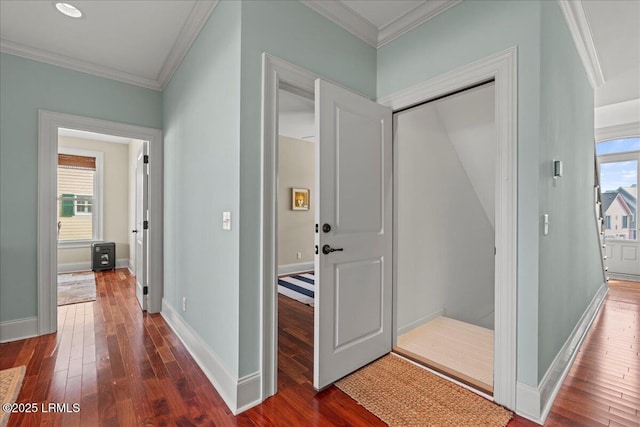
[141, 228]
[353, 266]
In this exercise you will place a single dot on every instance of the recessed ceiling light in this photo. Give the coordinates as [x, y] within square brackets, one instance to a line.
[69, 10]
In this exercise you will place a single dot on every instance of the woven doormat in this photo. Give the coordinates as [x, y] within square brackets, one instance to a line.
[402, 394]
[10, 384]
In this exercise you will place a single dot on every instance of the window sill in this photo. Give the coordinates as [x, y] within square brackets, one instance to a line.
[71, 244]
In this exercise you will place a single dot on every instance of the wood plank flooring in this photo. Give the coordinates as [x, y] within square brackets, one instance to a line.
[126, 368]
[457, 349]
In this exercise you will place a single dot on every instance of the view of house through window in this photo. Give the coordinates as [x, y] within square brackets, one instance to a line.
[76, 197]
[618, 161]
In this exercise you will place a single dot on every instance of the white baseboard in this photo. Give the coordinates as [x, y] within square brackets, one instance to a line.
[19, 329]
[86, 266]
[534, 403]
[239, 394]
[131, 267]
[249, 392]
[295, 268]
[421, 321]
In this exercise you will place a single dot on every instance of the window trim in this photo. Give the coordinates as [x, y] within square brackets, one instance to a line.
[98, 196]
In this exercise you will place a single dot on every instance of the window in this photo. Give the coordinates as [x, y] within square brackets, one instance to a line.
[625, 223]
[607, 222]
[79, 196]
[84, 205]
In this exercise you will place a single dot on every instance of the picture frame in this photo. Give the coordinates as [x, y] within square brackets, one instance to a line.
[299, 199]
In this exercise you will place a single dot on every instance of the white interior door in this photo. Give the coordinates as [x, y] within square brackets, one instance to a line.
[353, 268]
[140, 231]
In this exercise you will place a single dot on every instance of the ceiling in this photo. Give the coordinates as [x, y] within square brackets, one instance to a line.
[143, 42]
[296, 116]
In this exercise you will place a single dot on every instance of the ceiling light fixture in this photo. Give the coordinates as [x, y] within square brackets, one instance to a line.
[69, 10]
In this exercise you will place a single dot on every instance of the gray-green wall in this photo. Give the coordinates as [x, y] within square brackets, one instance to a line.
[202, 173]
[25, 87]
[570, 268]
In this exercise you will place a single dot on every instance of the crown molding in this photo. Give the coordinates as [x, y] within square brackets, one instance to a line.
[29, 52]
[346, 18]
[580, 30]
[413, 19]
[197, 19]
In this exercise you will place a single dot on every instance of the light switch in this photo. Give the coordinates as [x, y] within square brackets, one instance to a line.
[226, 220]
[546, 224]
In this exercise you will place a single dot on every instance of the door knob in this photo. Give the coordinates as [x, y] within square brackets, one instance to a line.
[326, 249]
[326, 227]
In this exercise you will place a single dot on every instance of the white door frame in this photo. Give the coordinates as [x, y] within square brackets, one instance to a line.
[501, 67]
[48, 124]
[275, 72]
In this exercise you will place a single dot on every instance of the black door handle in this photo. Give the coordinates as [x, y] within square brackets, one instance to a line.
[326, 227]
[326, 249]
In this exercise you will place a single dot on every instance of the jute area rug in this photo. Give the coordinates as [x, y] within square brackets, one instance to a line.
[402, 394]
[10, 383]
[76, 287]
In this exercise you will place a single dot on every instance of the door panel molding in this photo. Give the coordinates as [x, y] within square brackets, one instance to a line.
[502, 68]
[48, 124]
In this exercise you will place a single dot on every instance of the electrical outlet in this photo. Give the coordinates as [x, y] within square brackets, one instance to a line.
[299, 255]
[184, 303]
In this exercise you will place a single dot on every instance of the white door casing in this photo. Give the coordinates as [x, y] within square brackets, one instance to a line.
[48, 124]
[140, 232]
[354, 186]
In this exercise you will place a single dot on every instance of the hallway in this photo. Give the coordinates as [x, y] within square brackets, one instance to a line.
[127, 368]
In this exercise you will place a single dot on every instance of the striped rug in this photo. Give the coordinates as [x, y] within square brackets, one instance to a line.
[298, 286]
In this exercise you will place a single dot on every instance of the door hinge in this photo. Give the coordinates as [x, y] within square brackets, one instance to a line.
[146, 159]
[145, 290]
[145, 225]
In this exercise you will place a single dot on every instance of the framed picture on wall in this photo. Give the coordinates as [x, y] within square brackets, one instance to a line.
[300, 199]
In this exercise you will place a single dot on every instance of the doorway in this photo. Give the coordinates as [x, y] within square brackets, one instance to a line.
[618, 161]
[96, 205]
[49, 125]
[297, 203]
[445, 234]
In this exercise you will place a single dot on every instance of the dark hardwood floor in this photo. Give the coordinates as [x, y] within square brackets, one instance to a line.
[126, 368]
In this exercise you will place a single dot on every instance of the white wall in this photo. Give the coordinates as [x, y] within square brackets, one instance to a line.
[134, 149]
[115, 198]
[296, 168]
[445, 215]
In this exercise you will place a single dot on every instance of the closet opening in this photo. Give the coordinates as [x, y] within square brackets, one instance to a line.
[445, 198]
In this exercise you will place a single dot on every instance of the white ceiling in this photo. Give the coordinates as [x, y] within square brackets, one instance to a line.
[297, 116]
[81, 134]
[615, 26]
[139, 42]
[143, 41]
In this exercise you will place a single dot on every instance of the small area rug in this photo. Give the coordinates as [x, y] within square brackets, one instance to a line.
[76, 287]
[10, 383]
[300, 287]
[403, 394]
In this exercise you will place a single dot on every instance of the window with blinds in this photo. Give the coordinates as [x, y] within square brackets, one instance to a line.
[76, 197]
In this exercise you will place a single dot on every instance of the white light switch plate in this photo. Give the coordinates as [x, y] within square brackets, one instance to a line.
[226, 220]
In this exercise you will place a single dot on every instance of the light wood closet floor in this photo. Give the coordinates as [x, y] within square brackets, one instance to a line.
[457, 349]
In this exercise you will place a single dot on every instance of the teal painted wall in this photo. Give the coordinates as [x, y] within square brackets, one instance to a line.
[293, 32]
[465, 33]
[25, 87]
[202, 173]
[570, 267]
